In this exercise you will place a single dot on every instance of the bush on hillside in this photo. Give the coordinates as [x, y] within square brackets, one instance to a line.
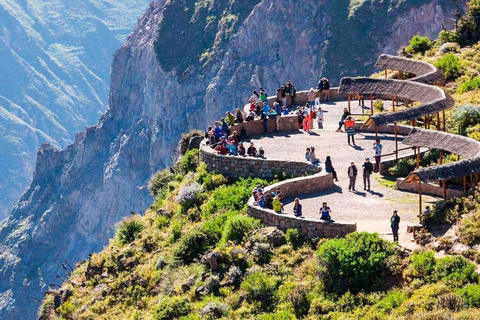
[129, 230]
[293, 237]
[419, 45]
[261, 288]
[451, 66]
[466, 116]
[171, 308]
[237, 226]
[450, 210]
[469, 230]
[189, 162]
[213, 310]
[470, 85]
[403, 167]
[449, 47]
[359, 262]
[471, 294]
[190, 196]
[158, 185]
[449, 36]
[426, 269]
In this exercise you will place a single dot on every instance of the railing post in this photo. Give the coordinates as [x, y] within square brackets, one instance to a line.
[371, 104]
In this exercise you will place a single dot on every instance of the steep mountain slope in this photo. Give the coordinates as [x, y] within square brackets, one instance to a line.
[79, 193]
[54, 61]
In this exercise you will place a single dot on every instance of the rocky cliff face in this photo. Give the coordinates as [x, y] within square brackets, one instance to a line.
[54, 61]
[157, 93]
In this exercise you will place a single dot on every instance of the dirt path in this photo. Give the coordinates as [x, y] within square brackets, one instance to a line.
[371, 210]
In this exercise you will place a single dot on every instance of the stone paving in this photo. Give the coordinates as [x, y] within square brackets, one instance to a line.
[370, 209]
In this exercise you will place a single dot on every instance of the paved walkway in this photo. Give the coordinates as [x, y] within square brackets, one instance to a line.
[370, 209]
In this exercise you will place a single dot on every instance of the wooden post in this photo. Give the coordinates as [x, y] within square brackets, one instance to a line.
[438, 121]
[376, 132]
[419, 198]
[418, 158]
[440, 161]
[444, 185]
[393, 103]
[425, 119]
[385, 73]
[396, 140]
[371, 103]
[465, 185]
[444, 128]
[349, 98]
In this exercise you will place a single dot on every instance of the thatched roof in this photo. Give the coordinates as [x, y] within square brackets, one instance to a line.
[433, 99]
[463, 146]
[424, 72]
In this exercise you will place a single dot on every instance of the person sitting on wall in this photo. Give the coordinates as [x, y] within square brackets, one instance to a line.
[250, 116]
[241, 149]
[207, 133]
[313, 159]
[212, 139]
[329, 168]
[234, 136]
[232, 147]
[307, 154]
[277, 204]
[263, 96]
[268, 201]
[229, 119]
[257, 191]
[297, 208]
[252, 151]
[325, 212]
[218, 130]
[225, 127]
[221, 148]
[261, 201]
[261, 152]
[238, 116]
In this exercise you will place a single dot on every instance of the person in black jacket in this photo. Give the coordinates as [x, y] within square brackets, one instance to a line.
[367, 171]
[352, 175]
[395, 224]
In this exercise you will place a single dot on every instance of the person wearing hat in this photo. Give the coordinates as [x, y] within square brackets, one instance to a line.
[367, 171]
[252, 151]
[395, 224]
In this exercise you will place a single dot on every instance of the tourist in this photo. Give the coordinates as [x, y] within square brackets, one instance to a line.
[278, 110]
[261, 201]
[325, 212]
[218, 131]
[221, 148]
[313, 159]
[225, 128]
[232, 147]
[277, 204]
[293, 95]
[326, 88]
[235, 137]
[229, 119]
[252, 151]
[268, 201]
[329, 168]
[250, 116]
[349, 123]
[395, 224]
[320, 118]
[352, 175]
[345, 115]
[207, 133]
[266, 108]
[311, 97]
[255, 96]
[241, 149]
[425, 214]
[261, 152]
[285, 111]
[306, 117]
[367, 171]
[263, 96]
[264, 118]
[297, 208]
[377, 147]
[283, 95]
[318, 94]
[238, 116]
[212, 139]
[307, 154]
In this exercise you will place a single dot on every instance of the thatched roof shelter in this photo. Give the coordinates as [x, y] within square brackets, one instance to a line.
[463, 146]
[424, 72]
[433, 99]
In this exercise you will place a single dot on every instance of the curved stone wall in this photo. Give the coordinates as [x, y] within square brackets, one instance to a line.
[307, 227]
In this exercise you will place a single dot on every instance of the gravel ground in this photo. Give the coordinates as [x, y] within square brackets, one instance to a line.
[371, 210]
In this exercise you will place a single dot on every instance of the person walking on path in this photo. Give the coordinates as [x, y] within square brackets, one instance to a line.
[367, 171]
[395, 224]
[307, 119]
[349, 123]
[329, 168]
[325, 212]
[342, 121]
[377, 147]
[297, 208]
[352, 175]
[320, 118]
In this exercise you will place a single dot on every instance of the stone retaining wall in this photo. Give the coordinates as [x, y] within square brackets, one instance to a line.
[307, 227]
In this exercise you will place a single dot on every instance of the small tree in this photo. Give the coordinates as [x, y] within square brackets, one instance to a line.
[419, 45]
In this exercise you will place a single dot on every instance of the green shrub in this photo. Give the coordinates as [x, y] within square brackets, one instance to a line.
[422, 266]
[214, 310]
[403, 167]
[190, 161]
[466, 116]
[451, 66]
[300, 300]
[321, 306]
[213, 181]
[449, 36]
[419, 45]
[176, 230]
[293, 237]
[359, 262]
[196, 242]
[279, 315]
[158, 185]
[471, 294]
[129, 230]
[379, 105]
[474, 132]
[237, 226]
[470, 85]
[391, 301]
[262, 252]
[172, 308]
[450, 210]
[161, 263]
[261, 288]
[161, 222]
[469, 230]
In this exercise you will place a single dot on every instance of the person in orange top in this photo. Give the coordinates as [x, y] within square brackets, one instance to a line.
[349, 123]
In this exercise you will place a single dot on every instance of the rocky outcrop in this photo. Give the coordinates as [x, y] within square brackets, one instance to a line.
[79, 193]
